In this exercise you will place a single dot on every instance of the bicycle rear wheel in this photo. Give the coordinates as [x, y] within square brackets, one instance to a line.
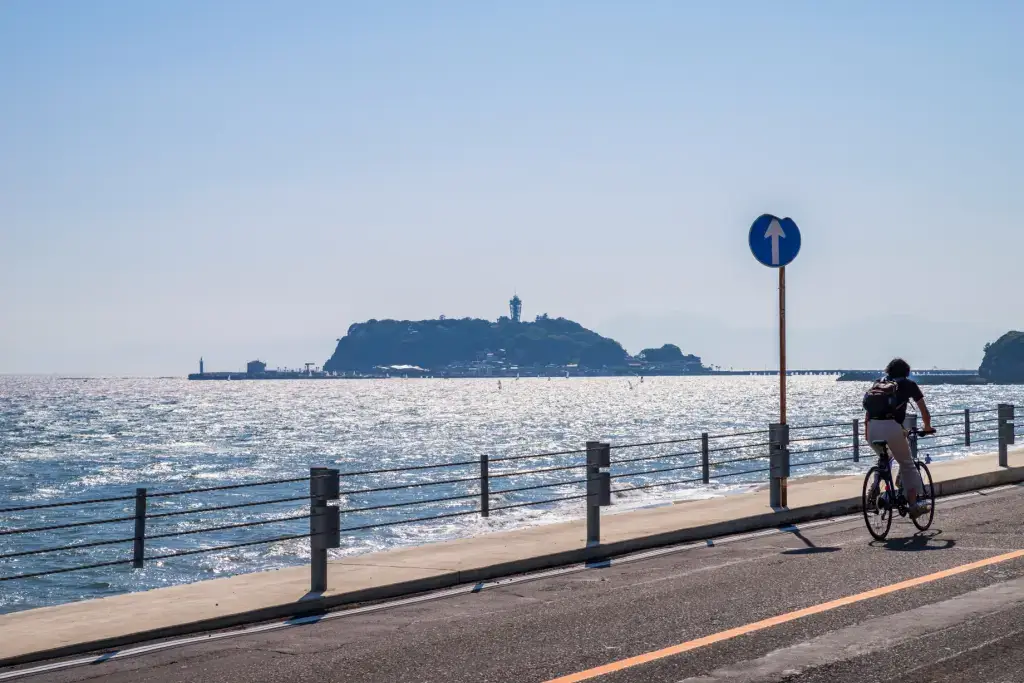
[924, 521]
[877, 508]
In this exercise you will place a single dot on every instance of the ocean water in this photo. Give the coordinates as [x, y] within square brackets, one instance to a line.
[74, 439]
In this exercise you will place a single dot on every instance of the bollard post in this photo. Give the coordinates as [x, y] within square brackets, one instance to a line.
[598, 488]
[317, 546]
[705, 459]
[485, 487]
[139, 549]
[324, 523]
[593, 512]
[856, 440]
[778, 457]
[912, 427]
[1005, 432]
[967, 426]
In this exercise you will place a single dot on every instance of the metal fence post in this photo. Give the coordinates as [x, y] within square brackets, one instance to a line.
[912, 428]
[778, 457]
[705, 459]
[324, 523]
[1005, 432]
[598, 488]
[856, 440]
[604, 480]
[139, 549]
[485, 487]
[967, 427]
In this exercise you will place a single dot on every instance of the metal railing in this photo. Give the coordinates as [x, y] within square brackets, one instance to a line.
[478, 486]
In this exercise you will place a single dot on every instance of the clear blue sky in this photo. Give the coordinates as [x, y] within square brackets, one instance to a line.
[246, 179]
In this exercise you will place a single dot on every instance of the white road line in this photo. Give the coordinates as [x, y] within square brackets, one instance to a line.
[446, 593]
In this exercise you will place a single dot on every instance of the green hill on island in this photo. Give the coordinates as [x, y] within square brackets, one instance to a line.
[668, 353]
[436, 344]
[1004, 359]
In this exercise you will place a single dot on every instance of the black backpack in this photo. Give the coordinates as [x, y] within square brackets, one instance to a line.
[881, 401]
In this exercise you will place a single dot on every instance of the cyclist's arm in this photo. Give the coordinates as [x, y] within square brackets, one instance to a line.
[925, 415]
[867, 421]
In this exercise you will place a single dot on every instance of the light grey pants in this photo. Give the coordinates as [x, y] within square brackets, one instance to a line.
[895, 438]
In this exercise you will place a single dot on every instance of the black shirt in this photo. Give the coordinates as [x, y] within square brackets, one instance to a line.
[906, 391]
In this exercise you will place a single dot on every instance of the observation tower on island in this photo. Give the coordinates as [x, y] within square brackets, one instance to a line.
[515, 308]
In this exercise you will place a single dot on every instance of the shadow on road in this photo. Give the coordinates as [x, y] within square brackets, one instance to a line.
[924, 540]
[811, 549]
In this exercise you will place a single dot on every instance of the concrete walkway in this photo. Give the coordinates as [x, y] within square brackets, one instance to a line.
[220, 603]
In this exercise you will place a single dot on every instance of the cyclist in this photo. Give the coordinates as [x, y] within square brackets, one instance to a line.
[886, 411]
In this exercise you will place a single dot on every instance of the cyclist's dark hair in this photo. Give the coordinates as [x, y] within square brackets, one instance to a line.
[898, 368]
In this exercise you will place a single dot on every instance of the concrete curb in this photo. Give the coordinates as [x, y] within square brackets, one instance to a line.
[779, 518]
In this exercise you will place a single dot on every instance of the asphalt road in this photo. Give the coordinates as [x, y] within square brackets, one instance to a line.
[965, 625]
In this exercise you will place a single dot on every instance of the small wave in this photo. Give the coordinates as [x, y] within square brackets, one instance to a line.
[95, 437]
[97, 585]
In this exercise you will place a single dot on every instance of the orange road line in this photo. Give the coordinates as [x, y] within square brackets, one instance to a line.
[781, 619]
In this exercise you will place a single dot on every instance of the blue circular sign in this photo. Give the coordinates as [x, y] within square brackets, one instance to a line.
[774, 241]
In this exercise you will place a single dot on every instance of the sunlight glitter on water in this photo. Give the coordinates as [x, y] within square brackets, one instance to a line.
[63, 439]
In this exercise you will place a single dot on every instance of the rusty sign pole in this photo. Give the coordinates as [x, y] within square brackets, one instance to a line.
[782, 369]
[775, 242]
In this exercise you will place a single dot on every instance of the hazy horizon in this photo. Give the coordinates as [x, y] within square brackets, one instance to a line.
[241, 180]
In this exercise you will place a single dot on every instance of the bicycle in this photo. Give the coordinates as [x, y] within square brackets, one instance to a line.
[878, 504]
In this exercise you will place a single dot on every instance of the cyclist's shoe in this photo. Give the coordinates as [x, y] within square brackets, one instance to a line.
[919, 508]
[872, 497]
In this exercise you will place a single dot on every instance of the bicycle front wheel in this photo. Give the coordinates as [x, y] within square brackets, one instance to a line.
[923, 522]
[876, 504]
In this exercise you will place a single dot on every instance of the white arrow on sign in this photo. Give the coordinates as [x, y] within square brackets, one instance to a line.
[774, 232]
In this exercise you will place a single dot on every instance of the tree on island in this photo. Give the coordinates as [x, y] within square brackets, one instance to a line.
[668, 354]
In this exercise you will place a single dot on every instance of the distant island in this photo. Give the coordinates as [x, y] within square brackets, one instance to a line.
[552, 347]
[472, 347]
